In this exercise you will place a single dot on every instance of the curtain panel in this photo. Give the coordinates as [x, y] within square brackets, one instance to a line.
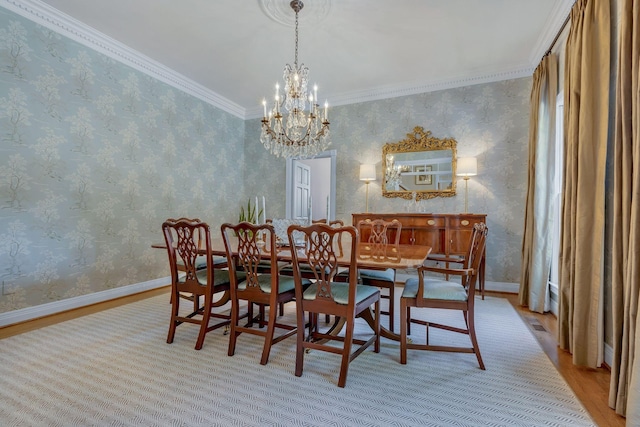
[586, 111]
[624, 393]
[537, 239]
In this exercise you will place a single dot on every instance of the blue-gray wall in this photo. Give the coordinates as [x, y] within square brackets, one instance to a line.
[489, 121]
[95, 155]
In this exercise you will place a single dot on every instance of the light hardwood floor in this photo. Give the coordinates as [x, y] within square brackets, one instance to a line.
[591, 386]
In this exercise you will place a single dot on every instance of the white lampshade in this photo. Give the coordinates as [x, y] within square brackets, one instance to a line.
[367, 172]
[467, 166]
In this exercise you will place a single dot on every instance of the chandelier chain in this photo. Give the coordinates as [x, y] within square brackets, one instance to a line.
[295, 62]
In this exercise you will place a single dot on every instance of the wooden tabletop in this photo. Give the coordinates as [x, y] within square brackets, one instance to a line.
[369, 256]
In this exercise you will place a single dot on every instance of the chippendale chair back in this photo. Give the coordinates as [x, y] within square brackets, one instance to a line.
[193, 271]
[381, 237]
[247, 246]
[345, 300]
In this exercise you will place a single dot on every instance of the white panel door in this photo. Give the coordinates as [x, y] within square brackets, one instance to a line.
[301, 191]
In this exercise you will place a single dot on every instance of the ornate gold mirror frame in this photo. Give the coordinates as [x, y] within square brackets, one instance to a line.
[420, 164]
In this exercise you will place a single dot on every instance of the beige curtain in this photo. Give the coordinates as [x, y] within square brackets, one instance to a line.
[537, 239]
[586, 110]
[624, 391]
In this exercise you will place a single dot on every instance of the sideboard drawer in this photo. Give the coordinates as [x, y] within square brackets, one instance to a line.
[464, 222]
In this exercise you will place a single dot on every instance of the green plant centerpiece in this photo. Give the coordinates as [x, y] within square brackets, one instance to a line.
[249, 214]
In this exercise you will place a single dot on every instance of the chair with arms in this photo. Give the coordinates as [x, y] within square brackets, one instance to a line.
[380, 233]
[267, 289]
[345, 300]
[430, 292]
[186, 239]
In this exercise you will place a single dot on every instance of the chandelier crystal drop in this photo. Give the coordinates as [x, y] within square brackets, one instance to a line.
[288, 130]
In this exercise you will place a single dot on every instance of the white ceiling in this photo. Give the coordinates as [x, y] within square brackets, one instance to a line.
[356, 50]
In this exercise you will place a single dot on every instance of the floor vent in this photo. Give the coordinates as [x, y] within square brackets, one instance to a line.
[539, 327]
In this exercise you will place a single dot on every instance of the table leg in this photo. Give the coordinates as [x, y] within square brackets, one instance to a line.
[367, 315]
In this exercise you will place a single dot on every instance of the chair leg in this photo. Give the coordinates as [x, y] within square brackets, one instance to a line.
[235, 318]
[392, 304]
[271, 327]
[196, 302]
[404, 330]
[376, 346]
[261, 311]
[474, 341]
[313, 323]
[300, 339]
[206, 315]
[346, 353]
[408, 320]
[249, 314]
[175, 305]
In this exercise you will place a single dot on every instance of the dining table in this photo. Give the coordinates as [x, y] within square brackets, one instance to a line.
[369, 256]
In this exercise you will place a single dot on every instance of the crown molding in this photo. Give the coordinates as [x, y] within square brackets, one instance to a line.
[556, 20]
[407, 89]
[45, 15]
[59, 22]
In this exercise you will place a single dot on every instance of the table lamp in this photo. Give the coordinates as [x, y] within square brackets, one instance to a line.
[367, 174]
[466, 168]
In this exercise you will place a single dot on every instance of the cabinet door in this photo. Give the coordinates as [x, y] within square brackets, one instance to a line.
[460, 229]
[431, 232]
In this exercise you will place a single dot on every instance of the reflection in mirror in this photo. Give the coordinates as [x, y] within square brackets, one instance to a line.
[420, 164]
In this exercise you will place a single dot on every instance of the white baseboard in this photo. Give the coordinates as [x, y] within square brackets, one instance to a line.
[508, 287]
[608, 354]
[30, 313]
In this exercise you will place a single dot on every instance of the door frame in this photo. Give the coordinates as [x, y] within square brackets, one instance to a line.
[331, 154]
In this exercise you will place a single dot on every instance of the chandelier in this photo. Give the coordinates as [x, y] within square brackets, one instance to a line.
[287, 129]
[393, 173]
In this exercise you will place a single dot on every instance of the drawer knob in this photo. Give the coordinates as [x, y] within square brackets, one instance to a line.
[464, 222]
[431, 222]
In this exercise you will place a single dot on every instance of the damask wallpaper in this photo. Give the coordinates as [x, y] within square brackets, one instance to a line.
[489, 121]
[95, 155]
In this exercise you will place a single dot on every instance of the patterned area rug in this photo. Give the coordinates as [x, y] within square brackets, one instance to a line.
[115, 368]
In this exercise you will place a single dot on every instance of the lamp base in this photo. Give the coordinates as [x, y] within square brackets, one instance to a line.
[466, 194]
[367, 198]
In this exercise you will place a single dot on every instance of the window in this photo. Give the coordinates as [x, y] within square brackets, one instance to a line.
[556, 217]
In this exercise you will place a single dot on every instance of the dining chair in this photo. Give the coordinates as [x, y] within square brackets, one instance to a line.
[305, 269]
[345, 300]
[188, 244]
[433, 292]
[379, 233]
[201, 263]
[246, 246]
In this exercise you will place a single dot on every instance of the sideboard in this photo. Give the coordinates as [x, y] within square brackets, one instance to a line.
[447, 234]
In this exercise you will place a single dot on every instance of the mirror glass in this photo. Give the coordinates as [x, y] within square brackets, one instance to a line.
[420, 164]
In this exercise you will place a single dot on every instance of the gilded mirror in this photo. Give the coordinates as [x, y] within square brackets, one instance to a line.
[420, 164]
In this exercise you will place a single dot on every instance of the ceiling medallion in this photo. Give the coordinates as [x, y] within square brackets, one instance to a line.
[315, 11]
